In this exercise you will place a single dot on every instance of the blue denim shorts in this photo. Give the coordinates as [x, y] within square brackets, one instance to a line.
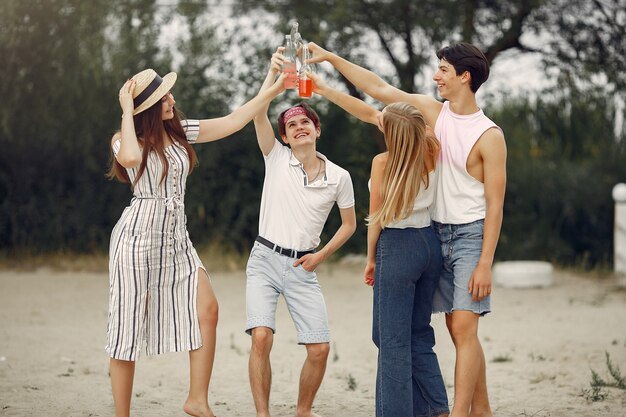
[461, 246]
[271, 274]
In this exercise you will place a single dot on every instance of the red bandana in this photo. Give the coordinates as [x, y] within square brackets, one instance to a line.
[294, 111]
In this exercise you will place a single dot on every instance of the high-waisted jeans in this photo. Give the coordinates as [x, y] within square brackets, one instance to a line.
[408, 381]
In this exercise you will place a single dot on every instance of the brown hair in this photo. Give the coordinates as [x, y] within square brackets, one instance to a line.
[150, 129]
[463, 57]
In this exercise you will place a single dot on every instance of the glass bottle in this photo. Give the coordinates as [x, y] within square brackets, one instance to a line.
[289, 64]
[305, 84]
[296, 38]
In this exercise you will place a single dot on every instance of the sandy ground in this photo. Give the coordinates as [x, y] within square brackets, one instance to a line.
[540, 345]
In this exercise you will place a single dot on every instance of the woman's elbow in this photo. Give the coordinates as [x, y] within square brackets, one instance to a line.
[131, 161]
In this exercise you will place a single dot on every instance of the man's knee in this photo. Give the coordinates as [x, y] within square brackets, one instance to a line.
[262, 339]
[318, 352]
[463, 326]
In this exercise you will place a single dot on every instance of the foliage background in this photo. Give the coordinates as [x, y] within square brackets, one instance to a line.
[64, 60]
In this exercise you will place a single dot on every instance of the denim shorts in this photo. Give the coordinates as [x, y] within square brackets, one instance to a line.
[270, 275]
[461, 246]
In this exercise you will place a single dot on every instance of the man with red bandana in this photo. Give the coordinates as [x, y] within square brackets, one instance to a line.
[301, 186]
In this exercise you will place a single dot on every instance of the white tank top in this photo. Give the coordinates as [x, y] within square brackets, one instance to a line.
[460, 198]
[420, 216]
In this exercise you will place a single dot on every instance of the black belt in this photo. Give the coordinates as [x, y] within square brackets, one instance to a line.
[283, 251]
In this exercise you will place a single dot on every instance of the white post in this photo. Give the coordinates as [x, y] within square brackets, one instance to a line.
[619, 237]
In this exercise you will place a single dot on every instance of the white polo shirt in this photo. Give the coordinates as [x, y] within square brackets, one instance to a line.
[293, 212]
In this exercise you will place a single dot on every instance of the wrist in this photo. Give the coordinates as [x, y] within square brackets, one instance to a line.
[330, 57]
[485, 263]
[323, 254]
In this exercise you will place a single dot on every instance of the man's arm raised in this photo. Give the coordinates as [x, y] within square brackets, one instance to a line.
[375, 86]
[262, 125]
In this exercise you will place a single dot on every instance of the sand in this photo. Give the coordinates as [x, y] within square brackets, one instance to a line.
[540, 346]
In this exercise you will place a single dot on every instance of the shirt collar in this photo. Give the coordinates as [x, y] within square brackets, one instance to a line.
[330, 176]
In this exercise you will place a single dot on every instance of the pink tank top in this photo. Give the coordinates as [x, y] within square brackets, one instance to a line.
[459, 198]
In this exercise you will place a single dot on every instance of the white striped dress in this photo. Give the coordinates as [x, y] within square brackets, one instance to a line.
[153, 265]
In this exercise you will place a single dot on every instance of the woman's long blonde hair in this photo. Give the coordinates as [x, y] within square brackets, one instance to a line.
[411, 151]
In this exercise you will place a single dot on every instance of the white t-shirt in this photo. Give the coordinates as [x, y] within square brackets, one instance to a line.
[293, 212]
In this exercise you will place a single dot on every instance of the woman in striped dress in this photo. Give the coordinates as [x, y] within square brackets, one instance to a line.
[160, 293]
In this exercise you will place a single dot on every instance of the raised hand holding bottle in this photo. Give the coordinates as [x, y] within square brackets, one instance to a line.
[289, 65]
[305, 84]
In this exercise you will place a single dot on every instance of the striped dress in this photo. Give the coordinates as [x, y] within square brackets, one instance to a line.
[153, 266]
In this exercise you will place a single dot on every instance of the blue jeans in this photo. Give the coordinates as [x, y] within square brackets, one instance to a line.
[408, 381]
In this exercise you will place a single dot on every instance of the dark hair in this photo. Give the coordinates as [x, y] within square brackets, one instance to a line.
[463, 57]
[310, 113]
[149, 128]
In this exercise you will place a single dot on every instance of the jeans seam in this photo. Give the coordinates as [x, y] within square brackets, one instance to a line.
[380, 382]
[426, 245]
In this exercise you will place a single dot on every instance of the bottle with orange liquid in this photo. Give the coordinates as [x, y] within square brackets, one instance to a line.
[289, 65]
[305, 84]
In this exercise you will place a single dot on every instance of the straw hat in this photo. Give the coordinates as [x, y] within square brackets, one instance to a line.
[150, 88]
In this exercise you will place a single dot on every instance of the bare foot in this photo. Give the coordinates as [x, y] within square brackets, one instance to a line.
[486, 413]
[307, 414]
[197, 409]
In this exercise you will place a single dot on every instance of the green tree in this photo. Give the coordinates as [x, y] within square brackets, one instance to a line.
[55, 92]
[580, 36]
[404, 32]
[564, 157]
[64, 61]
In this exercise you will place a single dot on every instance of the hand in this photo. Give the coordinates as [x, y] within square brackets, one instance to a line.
[480, 282]
[319, 84]
[126, 96]
[279, 85]
[310, 261]
[318, 54]
[368, 275]
[276, 63]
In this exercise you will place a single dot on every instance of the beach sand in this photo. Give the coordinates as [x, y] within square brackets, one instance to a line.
[540, 345]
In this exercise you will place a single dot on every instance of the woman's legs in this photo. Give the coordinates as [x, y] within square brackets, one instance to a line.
[429, 391]
[394, 286]
[201, 360]
[122, 375]
[409, 381]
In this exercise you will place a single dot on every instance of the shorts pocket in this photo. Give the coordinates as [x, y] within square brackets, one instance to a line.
[472, 231]
[259, 252]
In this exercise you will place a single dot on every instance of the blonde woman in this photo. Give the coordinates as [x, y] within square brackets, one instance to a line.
[161, 299]
[403, 258]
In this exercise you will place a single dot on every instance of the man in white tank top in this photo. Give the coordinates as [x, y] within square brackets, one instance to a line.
[468, 205]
